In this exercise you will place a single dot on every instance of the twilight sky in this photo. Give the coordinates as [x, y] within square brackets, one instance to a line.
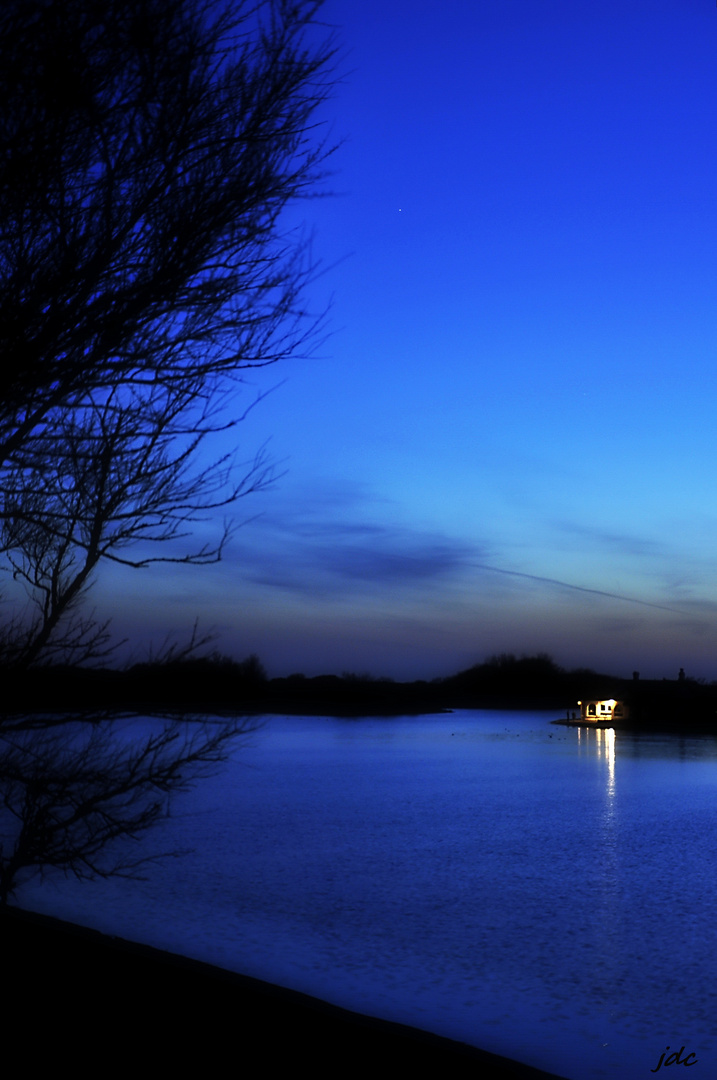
[509, 441]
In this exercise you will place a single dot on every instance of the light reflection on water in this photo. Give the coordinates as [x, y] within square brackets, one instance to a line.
[544, 892]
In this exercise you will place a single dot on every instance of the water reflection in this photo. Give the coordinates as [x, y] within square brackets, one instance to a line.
[472, 874]
[600, 743]
[608, 743]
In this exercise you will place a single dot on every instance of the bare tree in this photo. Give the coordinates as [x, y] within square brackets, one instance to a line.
[112, 481]
[147, 151]
[77, 796]
[149, 147]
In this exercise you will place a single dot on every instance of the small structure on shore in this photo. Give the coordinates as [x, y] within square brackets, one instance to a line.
[676, 705]
[604, 709]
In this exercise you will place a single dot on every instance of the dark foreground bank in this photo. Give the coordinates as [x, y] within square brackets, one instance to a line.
[77, 997]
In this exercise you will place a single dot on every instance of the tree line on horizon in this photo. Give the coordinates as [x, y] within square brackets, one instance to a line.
[191, 681]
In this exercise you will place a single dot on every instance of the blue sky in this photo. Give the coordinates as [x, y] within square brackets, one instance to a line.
[508, 442]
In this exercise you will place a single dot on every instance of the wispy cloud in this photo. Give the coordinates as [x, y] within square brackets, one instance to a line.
[397, 558]
[577, 588]
[622, 543]
[333, 542]
[338, 557]
[336, 542]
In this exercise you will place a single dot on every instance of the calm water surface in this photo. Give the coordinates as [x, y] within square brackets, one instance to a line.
[542, 892]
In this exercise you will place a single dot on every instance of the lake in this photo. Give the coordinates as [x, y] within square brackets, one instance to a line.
[543, 892]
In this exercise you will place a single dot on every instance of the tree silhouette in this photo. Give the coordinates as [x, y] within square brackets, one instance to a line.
[147, 151]
[76, 796]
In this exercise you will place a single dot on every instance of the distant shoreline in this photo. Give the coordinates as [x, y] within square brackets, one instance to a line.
[220, 686]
